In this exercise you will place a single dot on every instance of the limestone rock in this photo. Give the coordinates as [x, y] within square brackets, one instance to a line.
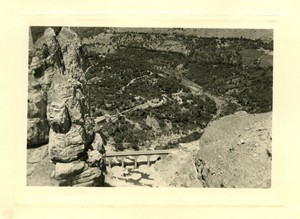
[65, 91]
[37, 131]
[37, 125]
[72, 53]
[178, 170]
[39, 167]
[37, 103]
[66, 147]
[67, 170]
[71, 128]
[58, 117]
[98, 142]
[93, 158]
[234, 152]
[89, 177]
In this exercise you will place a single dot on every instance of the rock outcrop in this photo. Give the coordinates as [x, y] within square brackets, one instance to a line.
[235, 152]
[39, 167]
[178, 170]
[62, 105]
[37, 125]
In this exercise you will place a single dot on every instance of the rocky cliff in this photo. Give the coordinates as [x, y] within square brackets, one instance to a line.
[57, 105]
[235, 152]
[37, 125]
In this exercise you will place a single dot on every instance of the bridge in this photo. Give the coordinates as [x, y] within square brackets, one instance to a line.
[136, 154]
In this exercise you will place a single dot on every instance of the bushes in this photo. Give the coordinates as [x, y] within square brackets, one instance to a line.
[133, 75]
[253, 84]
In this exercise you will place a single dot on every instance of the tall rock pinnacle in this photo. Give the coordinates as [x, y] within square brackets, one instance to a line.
[71, 133]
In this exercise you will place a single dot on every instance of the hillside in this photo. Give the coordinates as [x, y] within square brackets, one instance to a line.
[236, 152]
[195, 76]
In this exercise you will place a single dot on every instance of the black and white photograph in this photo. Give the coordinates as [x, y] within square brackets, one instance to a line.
[149, 107]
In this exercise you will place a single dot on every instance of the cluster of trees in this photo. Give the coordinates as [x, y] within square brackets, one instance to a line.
[222, 50]
[133, 74]
[115, 90]
[125, 135]
[195, 112]
[251, 87]
[219, 65]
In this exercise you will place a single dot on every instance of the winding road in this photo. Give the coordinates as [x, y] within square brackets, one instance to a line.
[198, 90]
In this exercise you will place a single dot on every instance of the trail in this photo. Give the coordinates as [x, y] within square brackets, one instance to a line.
[140, 106]
[198, 90]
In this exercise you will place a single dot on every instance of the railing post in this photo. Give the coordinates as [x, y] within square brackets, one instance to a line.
[135, 154]
[109, 163]
[148, 160]
[122, 160]
[135, 162]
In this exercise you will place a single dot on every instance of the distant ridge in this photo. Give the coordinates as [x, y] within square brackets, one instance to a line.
[265, 34]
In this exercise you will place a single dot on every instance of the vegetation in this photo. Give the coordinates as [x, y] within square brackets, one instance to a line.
[139, 85]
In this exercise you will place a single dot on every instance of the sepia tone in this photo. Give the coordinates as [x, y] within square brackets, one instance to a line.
[155, 107]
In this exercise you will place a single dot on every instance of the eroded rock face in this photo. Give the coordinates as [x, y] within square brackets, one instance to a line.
[59, 118]
[178, 170]
[37, 124]
[66, 147]
[62, 105]
[39, 167]
[37, 131]
[68, 170]
[235, 152]
[71, 133]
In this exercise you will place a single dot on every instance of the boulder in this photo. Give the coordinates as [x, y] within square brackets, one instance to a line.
[235, 152]
[68, 170]
[89, 177]
[66, 147]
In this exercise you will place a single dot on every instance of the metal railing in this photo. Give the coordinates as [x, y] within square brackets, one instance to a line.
[136, 154]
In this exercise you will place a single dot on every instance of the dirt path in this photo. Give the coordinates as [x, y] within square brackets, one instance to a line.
[198, 90]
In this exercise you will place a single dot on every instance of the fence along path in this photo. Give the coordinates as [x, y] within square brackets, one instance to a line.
[136, 154]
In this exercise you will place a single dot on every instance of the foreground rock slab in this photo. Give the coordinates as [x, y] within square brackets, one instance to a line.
[235, 152]
[178, 170]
